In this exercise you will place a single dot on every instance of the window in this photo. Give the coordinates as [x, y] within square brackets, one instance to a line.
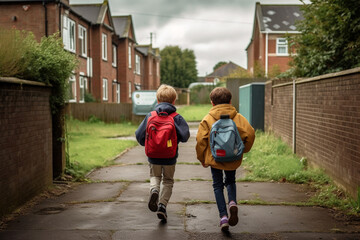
[150, 67]
[82, 41]
[72, 89]
[157, 69]
[129, 89]
[129, 55]
[118, 93]
[114, 55]
[69, 34]
[83, 87]
[104, 46]
[281, 46]
[105, 89]
[137, 64]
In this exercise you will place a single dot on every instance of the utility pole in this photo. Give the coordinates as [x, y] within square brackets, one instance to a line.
[152, 35]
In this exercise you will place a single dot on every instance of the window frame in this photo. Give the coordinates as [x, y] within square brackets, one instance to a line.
[129, 55]
[104, 46]
[137, 64]
[69, 34]
[72, 79]
[130, 89]
[114, 55]
[82, 87]
[282, 43]
[118, 93]
[105, 85]
[82, 40]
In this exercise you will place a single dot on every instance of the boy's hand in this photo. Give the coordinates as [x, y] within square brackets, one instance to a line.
[204, 165]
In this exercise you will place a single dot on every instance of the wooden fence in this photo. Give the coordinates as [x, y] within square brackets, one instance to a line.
[106, 112]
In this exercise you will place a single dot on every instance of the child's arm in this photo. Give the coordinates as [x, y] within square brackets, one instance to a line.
[141, 131]
[202, 141]
[182, 128]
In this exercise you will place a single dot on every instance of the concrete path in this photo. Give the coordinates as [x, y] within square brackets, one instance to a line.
[114, 206]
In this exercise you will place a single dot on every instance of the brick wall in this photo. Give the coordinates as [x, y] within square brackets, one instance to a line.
[327, 122]
[25, 140]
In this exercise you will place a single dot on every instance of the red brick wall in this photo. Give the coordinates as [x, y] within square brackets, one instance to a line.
[282, 103]
[327, 122]
[26, 143]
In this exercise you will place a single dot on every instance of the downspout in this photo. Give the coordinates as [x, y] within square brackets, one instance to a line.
[46, 20]
[294, 117]
[266, 53]
[60, 20]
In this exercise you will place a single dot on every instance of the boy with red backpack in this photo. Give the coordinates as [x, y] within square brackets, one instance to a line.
[160, 132]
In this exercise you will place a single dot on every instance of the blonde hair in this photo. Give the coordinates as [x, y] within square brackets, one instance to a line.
[166, 93]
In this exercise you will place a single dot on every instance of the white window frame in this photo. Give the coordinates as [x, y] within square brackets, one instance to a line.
[83, 87]
[82, 41]
[114, 55]
[105, 86]
[129, 53]
[130, 90]
[281, 43]
[118, 92]
[69, 34]
[157, 69]
[72, 82]
[104, 46]
[137, 64]
[150, 67]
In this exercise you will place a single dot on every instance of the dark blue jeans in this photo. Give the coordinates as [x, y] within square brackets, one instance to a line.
[219, 181]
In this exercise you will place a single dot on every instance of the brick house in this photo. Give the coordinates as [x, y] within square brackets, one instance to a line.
[268, 46]
[104, 62]
[126, 40]
[151, 66]
[222, 72]
[104, 45]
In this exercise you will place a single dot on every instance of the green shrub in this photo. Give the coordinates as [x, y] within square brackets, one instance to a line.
[15, 47]
[21, 56]
[89, 97]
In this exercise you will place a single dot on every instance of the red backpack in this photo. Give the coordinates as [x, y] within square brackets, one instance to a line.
[161, 138]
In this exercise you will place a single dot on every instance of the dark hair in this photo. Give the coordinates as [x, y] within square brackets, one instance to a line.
[220, 95]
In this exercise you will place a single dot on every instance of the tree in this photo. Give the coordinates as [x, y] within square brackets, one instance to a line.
[219, 64]
[330, 39]
[178, 67]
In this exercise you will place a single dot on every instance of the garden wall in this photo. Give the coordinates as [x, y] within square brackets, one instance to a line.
[327, 122]
[25, 140]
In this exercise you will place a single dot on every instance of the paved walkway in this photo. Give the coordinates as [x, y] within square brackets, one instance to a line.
[114, 206]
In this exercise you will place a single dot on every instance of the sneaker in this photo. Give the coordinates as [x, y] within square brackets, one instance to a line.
[161, 212]
[153, 200]
[224, 224]
[233, 220]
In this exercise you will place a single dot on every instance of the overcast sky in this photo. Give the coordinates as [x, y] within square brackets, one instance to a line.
[216, 30]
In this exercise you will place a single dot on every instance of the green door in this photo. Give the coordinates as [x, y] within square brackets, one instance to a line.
[245, 101]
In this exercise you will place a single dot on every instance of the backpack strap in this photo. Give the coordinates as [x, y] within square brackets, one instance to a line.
[153, 113]
[174, 114]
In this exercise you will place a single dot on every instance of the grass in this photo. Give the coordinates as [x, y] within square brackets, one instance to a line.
[92, 145]
[270, 159]
[194, 113]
